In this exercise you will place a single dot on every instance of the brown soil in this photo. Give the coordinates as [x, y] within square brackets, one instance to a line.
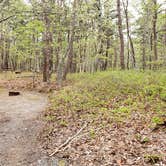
[20, 124]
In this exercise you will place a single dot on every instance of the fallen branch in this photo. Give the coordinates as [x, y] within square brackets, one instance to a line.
[69, 140]
[78, 137]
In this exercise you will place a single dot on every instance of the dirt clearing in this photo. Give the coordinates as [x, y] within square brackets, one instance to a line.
[20, 125]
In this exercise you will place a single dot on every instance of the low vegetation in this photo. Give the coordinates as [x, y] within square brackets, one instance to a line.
[125, 112]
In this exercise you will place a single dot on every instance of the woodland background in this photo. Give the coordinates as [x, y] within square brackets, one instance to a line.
[82, 36]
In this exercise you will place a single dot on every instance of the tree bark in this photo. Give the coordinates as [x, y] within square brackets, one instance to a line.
[155, 30]
[128, 33]
[107, 53]
[122, 63]
[69, 53]
[151, 49]
[47, 39]
[115, 57]
[143, 52]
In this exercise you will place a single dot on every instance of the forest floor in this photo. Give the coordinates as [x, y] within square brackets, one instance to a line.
[25, 81]
[111, 118]
[108, 118]
[19, 128]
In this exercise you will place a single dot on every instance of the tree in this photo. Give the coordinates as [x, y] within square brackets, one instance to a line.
[122, 63]
[47, 39]
[128, 32]
[155, 13]
[69, 53]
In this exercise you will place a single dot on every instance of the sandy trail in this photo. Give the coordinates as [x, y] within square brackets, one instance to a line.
[19, 127]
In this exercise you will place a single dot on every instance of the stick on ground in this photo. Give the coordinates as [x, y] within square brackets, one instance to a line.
[69, 140]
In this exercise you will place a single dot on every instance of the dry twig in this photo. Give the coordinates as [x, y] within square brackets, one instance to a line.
[69, 140]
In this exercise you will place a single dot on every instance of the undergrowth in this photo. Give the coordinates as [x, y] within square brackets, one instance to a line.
[111, 96]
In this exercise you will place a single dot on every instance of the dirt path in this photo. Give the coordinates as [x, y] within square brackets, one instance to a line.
[19, 127]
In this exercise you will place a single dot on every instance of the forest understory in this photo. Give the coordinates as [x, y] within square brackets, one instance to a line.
[123, 114]
[101, 66]
[106, 118]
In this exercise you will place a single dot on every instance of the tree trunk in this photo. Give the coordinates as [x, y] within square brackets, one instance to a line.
[128, 55]
[115, 58]
[155, 30]
[47, 38]
[122, 63]
[107, 53]
[128, 33]
[143, 52]
[69, 53]
[151, 49]
[7, 49]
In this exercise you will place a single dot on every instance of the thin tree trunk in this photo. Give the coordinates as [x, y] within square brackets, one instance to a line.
[155, 30]
[47, 38]
[122, 63]
[69, 53]
[128, 55]
[151, 49]
[143, 52]
[128, 33]
[115, 58]
[7, 51]
[107, 53]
